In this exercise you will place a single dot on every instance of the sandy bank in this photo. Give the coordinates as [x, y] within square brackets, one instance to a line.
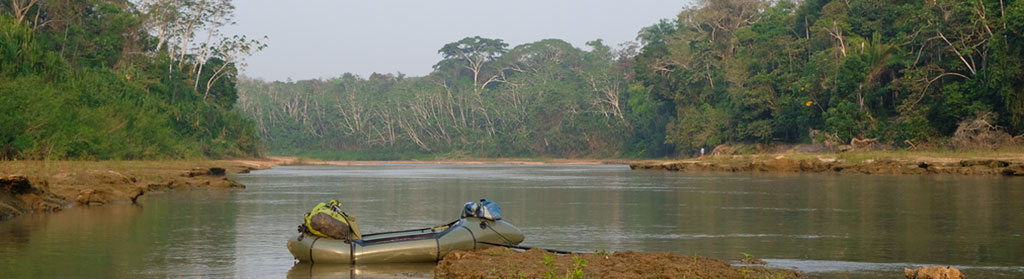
[45, 186]
[484, 161]
[1007, 165]
[498, 262]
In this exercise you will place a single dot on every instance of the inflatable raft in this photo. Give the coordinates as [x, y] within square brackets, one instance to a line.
[420, 245]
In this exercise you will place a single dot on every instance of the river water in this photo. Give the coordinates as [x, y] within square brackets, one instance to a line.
[830, 226]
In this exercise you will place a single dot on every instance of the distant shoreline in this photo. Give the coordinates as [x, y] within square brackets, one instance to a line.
[866, 162]
[893, 163]
[288, 160]
[874, 162]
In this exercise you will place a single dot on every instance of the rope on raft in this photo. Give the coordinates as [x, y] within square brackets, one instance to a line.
[528, 248]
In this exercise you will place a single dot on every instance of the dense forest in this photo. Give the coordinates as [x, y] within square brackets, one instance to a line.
[120, 79]
[482, 99]
[899, 73]
[895, 73]
[141, 79]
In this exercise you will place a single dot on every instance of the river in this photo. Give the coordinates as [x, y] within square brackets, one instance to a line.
[830, 226]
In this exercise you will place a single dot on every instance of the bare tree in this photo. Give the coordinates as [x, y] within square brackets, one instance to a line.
[21, 8]
[232, 51]
[221, 12]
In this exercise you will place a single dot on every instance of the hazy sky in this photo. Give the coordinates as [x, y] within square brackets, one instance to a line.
[327, 38]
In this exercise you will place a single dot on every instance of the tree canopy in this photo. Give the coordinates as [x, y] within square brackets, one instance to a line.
[118, 79]
[541, 98]
[158, 79]
[901, 72]
[722, 72]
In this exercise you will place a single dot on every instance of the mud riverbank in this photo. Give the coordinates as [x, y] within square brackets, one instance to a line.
[498, 262]
[47, 186]
[1005, 165]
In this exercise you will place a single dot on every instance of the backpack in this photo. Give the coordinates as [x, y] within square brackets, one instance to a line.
[327, 220]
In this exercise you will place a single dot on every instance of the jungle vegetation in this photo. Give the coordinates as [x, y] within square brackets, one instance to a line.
[900, 73]
[119, 79]
[140, 79]
[483, 99]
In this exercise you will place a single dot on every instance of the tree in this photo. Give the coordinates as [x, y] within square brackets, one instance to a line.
[657, 33]
[231, 52]
[473, 52]
[221, 13]
[21, 8]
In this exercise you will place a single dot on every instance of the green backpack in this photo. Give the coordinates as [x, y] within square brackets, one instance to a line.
[327, 220]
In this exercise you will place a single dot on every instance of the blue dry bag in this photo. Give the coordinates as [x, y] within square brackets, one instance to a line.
[485, 208]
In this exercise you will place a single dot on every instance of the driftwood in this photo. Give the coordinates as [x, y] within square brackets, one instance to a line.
[980, 133]
[863, 143]
[723, 150]
[911, 145]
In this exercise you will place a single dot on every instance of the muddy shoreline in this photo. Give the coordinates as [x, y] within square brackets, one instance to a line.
[48, 186]
[499, 262]
[826, 164]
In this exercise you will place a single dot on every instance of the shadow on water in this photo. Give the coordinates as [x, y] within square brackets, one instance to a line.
[346, 271]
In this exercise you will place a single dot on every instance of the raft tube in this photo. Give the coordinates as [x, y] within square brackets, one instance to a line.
[411, 246]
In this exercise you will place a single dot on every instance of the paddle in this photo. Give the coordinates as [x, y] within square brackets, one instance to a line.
[528, 248]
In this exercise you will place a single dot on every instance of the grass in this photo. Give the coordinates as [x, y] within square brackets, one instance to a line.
[747, 258]
[574, 272]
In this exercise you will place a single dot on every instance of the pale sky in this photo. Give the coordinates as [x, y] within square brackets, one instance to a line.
[327, 38]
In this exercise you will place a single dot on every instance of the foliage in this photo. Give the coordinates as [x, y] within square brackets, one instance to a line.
[545, 98]
[755, 71]
[99, 79]
[82, 80]
[549, 264]
[722, 72]
[577, 269]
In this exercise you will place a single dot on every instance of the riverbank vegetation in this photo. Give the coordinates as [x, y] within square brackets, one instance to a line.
[483, 99]
[154, 79]
[119, 79]
[900, 75]
[892, 72]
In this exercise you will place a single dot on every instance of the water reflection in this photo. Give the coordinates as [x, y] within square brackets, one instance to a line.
[345, 271]
[850, 226]
[33, 245]
[182, 236]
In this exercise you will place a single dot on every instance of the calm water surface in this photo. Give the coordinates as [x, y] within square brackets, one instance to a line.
[850, 226]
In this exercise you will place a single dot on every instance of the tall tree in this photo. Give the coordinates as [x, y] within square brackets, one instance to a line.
[472, 53]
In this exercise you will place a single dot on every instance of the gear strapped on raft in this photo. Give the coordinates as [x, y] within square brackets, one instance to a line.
[328, 220]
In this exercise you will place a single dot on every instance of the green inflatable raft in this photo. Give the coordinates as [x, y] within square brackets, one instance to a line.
[480, 227]
[420, 245]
